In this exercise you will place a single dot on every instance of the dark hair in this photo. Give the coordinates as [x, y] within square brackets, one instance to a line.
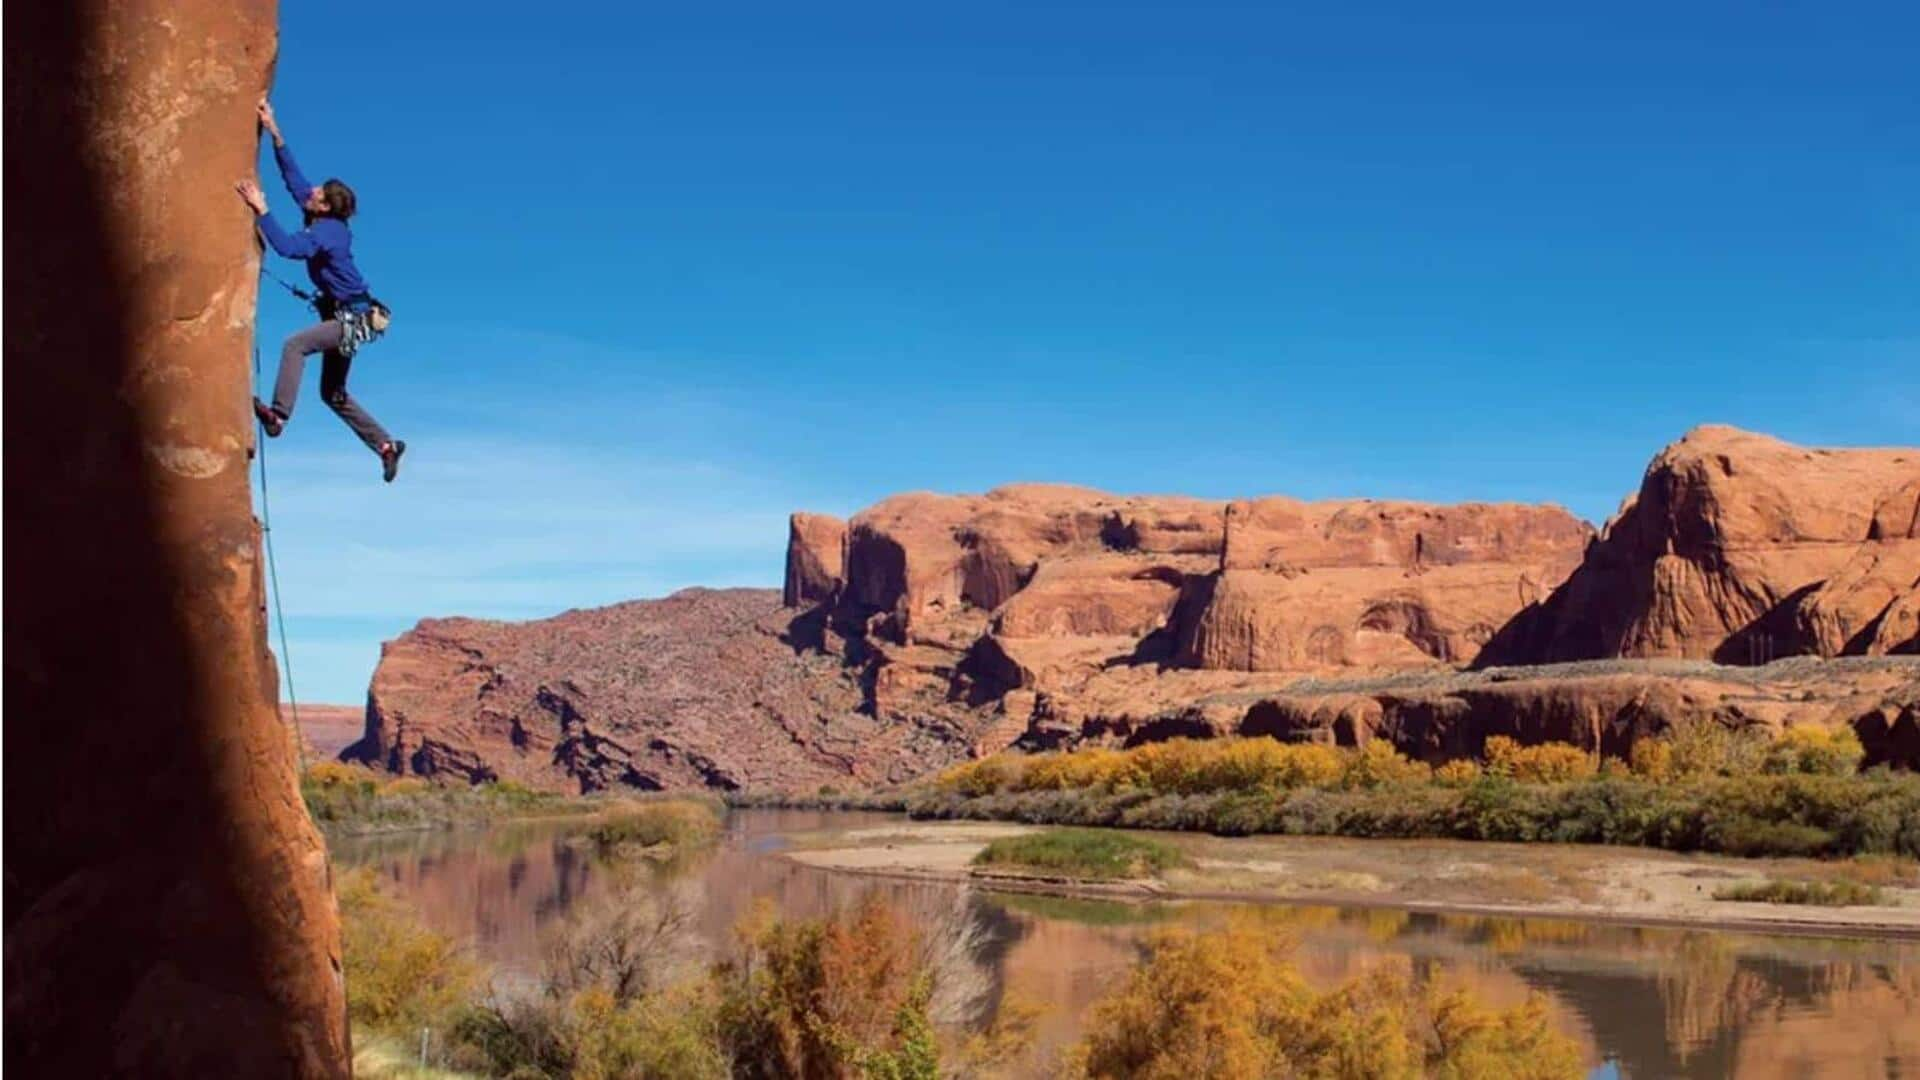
[340, 200]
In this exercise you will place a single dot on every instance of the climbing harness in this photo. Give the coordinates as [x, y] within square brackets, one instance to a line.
[357, 328]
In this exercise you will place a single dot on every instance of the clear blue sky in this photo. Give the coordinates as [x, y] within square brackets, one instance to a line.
[663, 273]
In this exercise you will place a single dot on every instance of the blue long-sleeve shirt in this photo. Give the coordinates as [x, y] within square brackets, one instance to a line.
[326, 245]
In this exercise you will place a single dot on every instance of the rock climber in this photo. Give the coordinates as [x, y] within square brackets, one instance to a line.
[350, 316]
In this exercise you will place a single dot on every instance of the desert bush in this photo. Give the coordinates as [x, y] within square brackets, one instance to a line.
[668, 1035]
[1261, 763]
[1754, 814]
[1230, 1004]
[400, 975]
[339, 774]
[1651, 759]
[1498, 753]
[1614, 810]
[1244, 813]
[1819, 751]
[1202, 1005]
[1085, 853]
[1500, 808]
[1882, 870]
[624, 946]
[1172, 767]
[677, 823]
[1543, 763]
[1705, 748]
[838, 997]
[1092, 768]
[592, 1036]
[1470, 1041]
[1009, 1038]
[976, 778]
[343, 798]
[1820, 893]
[1378, 764]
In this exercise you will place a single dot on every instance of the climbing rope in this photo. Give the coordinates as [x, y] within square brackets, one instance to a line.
[273, 574]
[299, 293]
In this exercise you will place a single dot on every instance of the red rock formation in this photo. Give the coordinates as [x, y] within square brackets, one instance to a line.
[816, 559]
[1602, 706]
[1044, 588]
[1743, 548]
[167, 909]
[705, 688]
[1048, 615]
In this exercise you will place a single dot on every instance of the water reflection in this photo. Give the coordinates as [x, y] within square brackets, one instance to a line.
[1643, 1002]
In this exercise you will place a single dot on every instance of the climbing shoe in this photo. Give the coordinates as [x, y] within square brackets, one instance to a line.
[272, 421]
[390, 459]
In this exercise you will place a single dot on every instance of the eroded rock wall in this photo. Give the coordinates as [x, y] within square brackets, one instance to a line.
[928, 628]
[1742, 548]
[707, 688]
[167, 901]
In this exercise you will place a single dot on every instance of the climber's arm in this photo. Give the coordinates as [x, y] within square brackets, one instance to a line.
[296, 181]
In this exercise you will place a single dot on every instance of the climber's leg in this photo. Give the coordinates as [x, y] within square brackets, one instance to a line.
[333, 387]
[293, 362]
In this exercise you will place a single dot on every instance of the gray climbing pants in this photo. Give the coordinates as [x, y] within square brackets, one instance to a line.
[325, 338]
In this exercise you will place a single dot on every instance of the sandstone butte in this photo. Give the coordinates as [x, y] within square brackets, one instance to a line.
[1748, 581]
[167, 908]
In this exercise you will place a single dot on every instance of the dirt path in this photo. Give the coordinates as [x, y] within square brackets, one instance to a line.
[1591, 883]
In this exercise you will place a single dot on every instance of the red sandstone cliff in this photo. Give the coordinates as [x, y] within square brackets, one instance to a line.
[706, 688]
[1742, 548]
[931, 627]
[167, 905]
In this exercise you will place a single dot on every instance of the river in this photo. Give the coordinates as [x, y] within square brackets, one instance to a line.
[1642, 1002]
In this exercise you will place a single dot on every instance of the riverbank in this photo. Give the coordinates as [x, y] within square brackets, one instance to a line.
[1745, 1004]
[351, 801]
[1583, 882]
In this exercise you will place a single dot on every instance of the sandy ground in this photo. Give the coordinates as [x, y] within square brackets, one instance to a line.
[1631, 885]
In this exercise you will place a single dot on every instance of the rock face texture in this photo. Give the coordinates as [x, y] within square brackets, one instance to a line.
[1602, 706]
[1741, 548]
[167, 907]
[705, 688]
[928, 628]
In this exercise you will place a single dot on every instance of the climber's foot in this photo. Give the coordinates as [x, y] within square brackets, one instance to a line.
[390, 459]
[269, 419]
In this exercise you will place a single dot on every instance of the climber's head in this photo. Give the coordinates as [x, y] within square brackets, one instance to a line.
[331, 199]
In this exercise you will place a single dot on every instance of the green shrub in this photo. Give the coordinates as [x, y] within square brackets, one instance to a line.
[1821, 893]
[347, 799]
[1799, 813]
[1084, 853]
[676, 823]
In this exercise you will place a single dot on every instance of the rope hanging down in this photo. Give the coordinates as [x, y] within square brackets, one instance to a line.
[273, 572]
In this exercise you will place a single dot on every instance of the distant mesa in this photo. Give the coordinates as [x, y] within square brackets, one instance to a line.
[933, 628]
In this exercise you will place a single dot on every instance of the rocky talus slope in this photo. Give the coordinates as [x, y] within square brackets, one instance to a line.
[1748, 582]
